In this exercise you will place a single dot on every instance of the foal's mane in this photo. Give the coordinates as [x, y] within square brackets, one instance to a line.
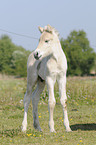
[51, 29]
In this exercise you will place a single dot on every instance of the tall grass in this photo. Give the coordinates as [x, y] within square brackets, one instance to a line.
[81, 93]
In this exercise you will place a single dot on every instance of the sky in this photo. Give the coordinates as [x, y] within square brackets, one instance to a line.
[24, 16]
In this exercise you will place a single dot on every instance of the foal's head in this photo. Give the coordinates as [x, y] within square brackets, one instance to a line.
[47, 42]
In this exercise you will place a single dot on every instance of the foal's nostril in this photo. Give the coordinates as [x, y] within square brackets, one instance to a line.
[37, 55]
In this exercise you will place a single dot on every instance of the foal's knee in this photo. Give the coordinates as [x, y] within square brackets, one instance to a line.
[52, 103]
[64, 103]
[26, 100]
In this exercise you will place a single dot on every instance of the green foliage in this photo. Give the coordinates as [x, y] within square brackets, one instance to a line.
[80, 55]
[6, 49]
[13, 59]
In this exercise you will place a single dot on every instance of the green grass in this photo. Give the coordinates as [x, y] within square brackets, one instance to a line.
[81, 94]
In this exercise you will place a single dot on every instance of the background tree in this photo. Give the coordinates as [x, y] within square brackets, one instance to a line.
[80, 55]
[13, 59]
[6, 50]
[19, 62]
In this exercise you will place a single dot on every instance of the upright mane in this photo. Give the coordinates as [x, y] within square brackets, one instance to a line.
[51, 29]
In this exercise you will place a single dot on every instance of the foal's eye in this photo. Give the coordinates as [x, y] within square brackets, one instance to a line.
[46, 41]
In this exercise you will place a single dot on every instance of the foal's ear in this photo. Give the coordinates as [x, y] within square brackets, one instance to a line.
[41, 29]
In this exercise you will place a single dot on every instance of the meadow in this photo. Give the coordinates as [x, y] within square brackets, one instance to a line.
[81, 93]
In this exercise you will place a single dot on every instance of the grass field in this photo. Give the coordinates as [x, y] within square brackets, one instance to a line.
[81, 94]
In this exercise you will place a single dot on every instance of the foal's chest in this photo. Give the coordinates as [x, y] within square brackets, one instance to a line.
[49, 68]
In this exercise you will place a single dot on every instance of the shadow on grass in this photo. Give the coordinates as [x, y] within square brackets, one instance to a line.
[86, 127]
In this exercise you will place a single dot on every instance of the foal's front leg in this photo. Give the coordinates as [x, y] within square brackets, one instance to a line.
[27, 99]
[28, 96]
[51, 102]
[35, 99]
[63, 100]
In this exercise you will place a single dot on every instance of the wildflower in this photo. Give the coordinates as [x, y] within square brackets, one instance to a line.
[62, 119]
[34, 135]
[22, 109]
[92, 100]
[39, 116]
[10, 140]
[90, 117]
[40, 135]
[71, 119]
[29, 134]
[81, 141]
[77, 104]
[21, 101]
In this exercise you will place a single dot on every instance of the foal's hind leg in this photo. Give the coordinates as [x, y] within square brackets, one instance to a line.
[30, 83]
[35, 100]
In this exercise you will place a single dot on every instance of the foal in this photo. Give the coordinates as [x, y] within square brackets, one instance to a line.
[46, 65]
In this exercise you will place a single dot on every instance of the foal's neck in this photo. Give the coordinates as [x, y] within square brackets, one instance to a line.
[57, 51]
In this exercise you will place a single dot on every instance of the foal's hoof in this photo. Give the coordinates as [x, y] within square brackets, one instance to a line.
[52, 130]
[23, 129]
[38, 128]
[68, 130]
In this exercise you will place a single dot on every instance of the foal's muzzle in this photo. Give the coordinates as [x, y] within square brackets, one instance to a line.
[37, 55]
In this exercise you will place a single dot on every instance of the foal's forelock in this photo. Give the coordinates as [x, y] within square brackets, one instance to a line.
[49, 29]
